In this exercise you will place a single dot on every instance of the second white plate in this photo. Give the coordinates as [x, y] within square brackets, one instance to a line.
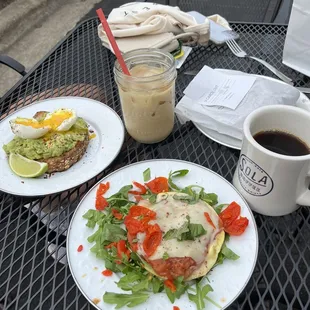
[303, 102]
[101, 151]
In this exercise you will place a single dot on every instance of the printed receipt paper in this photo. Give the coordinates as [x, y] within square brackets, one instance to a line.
[213, 88]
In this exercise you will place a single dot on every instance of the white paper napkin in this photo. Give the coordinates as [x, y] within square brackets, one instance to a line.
[229, 121]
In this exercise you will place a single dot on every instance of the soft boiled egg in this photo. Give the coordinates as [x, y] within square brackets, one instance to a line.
[60, 120]
[30, 128]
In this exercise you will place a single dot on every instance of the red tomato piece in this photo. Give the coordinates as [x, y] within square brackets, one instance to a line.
[151, 242]
[101, 203]
[121, 248]
[117, 214]
[103, 188]
[139, 210]
[80, 248]
[176, 308]
[133, 225]
[141, 187]
[209, 220]
[230, 214]
[170, 285]
[107, 273]
[158, 185]
[237, 227]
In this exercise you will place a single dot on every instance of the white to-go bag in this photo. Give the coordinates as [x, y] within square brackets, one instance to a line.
[296, 52]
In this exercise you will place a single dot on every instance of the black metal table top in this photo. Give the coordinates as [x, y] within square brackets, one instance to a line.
[34, 273]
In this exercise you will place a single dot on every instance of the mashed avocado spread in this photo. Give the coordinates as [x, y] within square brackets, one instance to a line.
[51, 145]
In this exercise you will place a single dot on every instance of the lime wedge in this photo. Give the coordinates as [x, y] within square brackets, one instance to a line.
[25, 167]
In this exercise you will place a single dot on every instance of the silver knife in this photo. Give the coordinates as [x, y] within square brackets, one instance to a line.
[305, 90]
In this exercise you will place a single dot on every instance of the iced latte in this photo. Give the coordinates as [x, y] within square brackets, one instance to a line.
[148, 95]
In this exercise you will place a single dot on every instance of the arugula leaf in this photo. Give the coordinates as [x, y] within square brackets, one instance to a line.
[226, 253]
[189, 199]
[151, 197]
[147, 174]
[165, 256]
[218, 209]
[122, 193]
[181, 288]
[187, 231]
[209, 198]
[196, 230]
[129, 300]
[157, 285]
[132, 280]
[176, 174]
[113, 233]
[176, 233]
[93, 216]
[201, 294]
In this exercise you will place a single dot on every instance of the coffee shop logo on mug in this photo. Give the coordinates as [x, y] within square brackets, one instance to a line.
[253, 178]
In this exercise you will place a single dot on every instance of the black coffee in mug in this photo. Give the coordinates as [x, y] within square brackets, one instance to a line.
[282, 143]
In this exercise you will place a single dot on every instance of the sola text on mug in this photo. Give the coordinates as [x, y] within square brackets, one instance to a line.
[253, 179]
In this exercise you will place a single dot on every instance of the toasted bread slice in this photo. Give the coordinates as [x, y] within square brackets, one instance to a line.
[67, 159]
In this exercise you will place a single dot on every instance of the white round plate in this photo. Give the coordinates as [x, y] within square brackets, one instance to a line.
[228, 280]
[101, 151]
[303, 102]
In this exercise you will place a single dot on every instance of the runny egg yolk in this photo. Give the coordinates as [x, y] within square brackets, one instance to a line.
[53, 121]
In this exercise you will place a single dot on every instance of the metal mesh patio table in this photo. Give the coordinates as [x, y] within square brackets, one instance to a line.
[34, 273]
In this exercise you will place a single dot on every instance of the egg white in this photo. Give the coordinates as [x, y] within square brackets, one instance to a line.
[28, 132]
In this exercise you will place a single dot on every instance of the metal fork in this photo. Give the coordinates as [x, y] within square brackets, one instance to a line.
[239, 52]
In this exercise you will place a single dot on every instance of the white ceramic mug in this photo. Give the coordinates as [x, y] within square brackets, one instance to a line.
[274, 184]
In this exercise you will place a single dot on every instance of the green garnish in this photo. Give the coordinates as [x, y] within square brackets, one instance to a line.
[181, 288]
[218, 209]
[226, 253]
[176, 174]
[201, 295]
[165, 256]
[187, 231]
[147, 175]
[129, 300]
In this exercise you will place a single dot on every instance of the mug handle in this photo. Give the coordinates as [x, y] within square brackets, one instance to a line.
[304, 198]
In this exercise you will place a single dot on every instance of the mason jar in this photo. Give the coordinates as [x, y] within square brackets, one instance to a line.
[148, 95]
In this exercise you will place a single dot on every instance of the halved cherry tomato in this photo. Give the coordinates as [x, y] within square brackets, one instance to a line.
[107, 273]
[151, 242]
[101, 203]
[80, 248]
[237, 227]
[117, 214]
[103, 188]
[111, 245]
[133, 225]
[121, 248]
[176, 308]
[158, 185]
[230, 214]
[139, 210]
[170, 285]
[141, 187]
[152, 228]
[209, 220]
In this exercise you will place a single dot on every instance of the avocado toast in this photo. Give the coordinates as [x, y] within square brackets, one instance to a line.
[59, 149]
